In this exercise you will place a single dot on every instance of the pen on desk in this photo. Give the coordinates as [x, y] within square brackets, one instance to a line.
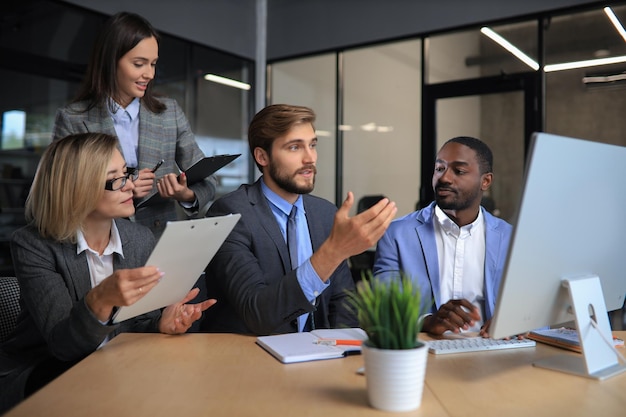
[158, 165]
[337, 342]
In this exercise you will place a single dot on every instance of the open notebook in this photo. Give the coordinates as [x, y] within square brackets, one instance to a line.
[184, 250]
[316, 345]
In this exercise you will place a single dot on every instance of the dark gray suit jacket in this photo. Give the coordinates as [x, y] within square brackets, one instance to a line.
[161, 136]
[251, 276]
[55, 321]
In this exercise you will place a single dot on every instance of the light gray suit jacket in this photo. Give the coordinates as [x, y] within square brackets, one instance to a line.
[161, 136]
[55, 321]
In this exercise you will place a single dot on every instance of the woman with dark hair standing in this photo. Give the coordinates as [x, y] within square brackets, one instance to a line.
[76, 260]
[116, 98]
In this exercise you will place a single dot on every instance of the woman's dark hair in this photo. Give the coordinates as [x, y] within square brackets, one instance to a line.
[120, 33]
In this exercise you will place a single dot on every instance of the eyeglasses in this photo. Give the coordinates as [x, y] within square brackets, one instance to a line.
[119, 182]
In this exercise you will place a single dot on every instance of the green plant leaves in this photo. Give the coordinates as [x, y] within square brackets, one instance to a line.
[388, 310]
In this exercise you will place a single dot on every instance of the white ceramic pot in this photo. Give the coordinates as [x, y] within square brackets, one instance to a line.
[395, 378]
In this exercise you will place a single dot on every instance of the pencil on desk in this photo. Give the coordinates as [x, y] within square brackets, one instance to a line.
[337, 342]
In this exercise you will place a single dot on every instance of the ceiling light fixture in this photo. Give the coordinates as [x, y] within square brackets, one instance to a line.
[608, 79]
[322, 133]
[510, 47]
[551, 67]
[618, 25]
[584, 64]
[227, 81]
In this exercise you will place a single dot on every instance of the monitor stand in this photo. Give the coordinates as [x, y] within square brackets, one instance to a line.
[599, 360]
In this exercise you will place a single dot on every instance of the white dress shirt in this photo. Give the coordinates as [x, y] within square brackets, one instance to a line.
[100, 266]
[461, 253]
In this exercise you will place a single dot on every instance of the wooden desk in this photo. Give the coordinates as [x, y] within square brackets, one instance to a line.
[229, 375]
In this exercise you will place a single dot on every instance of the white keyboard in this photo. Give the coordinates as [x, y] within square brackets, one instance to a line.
[475, 344]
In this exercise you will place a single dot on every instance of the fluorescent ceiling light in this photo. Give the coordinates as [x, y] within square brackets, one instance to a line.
[322, 133]
[510, 47]
[227, 81]
[552, 67]
[591, 79]
[618, 25]
[369, 127]
[584, 64]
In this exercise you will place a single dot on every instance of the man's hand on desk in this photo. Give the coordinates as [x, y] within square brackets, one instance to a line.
[455, 315]
[484, 332]
[178, 318]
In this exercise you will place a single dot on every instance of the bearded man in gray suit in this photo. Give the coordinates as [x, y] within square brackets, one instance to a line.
[259, 287]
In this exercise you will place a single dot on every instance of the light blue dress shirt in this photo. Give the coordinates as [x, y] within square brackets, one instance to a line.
[311, 284]
[126, 123]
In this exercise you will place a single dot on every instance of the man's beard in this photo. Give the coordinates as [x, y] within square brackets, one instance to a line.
[287, 182]
[457, 201]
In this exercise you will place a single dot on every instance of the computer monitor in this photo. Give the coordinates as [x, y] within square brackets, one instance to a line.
[567, 256]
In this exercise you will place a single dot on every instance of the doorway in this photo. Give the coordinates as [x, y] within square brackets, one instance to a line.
[502, 111]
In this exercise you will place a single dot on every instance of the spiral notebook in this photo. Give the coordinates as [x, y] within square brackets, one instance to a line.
[315, 345]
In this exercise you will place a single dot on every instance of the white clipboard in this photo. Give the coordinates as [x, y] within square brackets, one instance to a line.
[183, 252]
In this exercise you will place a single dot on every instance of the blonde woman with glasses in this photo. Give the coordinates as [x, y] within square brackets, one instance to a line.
[76, 260]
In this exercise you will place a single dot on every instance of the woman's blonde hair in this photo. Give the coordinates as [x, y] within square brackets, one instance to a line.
[68, 184]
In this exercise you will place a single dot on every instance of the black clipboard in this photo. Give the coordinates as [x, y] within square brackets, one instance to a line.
[196, 173]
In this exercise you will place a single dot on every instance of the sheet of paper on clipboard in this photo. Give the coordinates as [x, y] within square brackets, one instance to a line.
[184, 250]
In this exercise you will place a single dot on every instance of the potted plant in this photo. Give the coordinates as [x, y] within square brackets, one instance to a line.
[389, 311]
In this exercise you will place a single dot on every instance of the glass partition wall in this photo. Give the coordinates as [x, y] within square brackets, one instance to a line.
[400, 101]
[381, 147]
[498, 82]
[311, 82]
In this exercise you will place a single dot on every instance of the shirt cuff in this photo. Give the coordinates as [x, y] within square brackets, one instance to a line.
[311, 284]
[190, 208]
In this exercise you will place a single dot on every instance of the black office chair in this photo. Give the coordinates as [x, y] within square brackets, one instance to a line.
[9, 306]
[368, 201]
[363, 262]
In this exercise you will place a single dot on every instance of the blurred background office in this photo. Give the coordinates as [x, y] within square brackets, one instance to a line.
[390, 81]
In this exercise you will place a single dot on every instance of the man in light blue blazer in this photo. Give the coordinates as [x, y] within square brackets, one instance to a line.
[454, 249]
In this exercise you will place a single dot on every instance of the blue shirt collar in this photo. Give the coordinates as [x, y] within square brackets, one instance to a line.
[282, 204]
[132, 109]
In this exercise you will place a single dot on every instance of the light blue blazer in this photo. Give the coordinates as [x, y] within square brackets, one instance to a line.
[409, 246]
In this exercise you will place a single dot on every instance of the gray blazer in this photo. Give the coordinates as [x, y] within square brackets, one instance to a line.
[161, 136]
[55, 321]
[251, 274]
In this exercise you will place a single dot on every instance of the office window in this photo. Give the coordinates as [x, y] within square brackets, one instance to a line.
[311, 82]
[587, 102]
[222, 112]
[381, 126]
[474, 53]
